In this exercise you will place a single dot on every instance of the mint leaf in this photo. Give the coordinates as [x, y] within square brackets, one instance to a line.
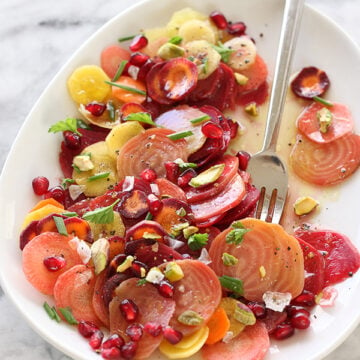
[103, 215]
[198, 241]
[69, 124]
[141, 117]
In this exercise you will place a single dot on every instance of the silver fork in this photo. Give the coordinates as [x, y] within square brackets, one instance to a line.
[267, 170]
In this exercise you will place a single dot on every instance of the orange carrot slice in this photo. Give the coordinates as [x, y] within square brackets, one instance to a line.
[265, 246]
[341, 123]
[42, 246]
[49, 201]
[326, 164]
[151, 149]
[74, 289]
[153, 308]
[252, 344]
[127, 96]
[111, 57]
[218, 325]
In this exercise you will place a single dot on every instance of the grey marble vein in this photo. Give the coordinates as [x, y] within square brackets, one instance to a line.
[31, 31]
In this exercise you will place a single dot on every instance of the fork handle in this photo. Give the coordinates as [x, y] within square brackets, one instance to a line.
[288, 36]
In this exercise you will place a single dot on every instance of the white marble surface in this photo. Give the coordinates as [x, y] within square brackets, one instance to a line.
[37, 37]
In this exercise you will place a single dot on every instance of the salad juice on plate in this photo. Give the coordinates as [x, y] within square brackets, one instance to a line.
[149, 244]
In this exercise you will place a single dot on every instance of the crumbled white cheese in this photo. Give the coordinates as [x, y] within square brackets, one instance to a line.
[154, 276]
[228, 337]
[276, 301]
[128, 183]
[83, 162]
[155, 189]
[76, 190]
[82, 248]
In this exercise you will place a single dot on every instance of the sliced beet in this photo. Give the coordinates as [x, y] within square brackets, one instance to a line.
[28, 233]
[258, 96]
[310, 82]
[272, 319]
[314, 265]
[108, 290]
[342, 259]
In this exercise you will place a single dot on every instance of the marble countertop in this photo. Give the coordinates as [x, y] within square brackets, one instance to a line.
[37, 37]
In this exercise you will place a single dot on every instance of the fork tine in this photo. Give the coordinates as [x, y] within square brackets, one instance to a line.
[279, 205]
[265, 208]
[260, 203]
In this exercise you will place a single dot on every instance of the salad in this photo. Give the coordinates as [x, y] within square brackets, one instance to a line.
[149, 243]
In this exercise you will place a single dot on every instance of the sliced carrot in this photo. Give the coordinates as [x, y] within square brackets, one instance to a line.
[265, 246]
[341, 122]
[75, 289]
[256, 75]
[252, 344]
[127, 96]
[42, 246]
[117, 246]
[49, 201]
[41, 213]
[149, 227]
[170, 213]
[326, 164]
[150, 149]
[111, 57]
[79, 227]
[218, 325]
[131, 108]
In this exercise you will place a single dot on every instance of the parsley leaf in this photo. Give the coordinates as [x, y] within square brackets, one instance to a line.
[224, 51]
[69, 124]
[236, 236]
[198, 241]
[232, 284]
[103, 215]
[141, 117]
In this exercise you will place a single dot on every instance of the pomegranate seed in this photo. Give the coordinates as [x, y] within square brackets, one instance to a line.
[258, 309]
[185, 177]
[128, 350]
[166, 289]
[40, 185]
[129, 310]
[54, 263]
[172, 336]
[307, 298]
[243, 158]
[95, 108]
[212, 130]
[236, 28]
[114, 340]
[134, 331]
[138, 59]
[300, 321]
[148, 175]
[283, 331]
[219, 19]
[172, 171]
[57, 193]
[234, 126]
[138, 42]
[154, 204]
[113, 353]
[86, 328]
[153, 329]
[136, 267]
[96, 339]
[144, 69]
[294, 310]
[72, 140]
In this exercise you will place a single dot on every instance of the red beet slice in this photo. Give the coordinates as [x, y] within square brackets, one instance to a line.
[310, 82]
[341, 257]
[314, 265]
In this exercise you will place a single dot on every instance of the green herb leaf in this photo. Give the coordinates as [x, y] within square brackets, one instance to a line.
[141, 282]
[126, 38]
[127, 88]
[232, 284]
[176, 40]
[198, 241]
[66, 182]
[224, 51]
[60, 225]
[148, 216]
[119, 70]
[98, 176]
[236, 236]
[103, 215]
[69, 124]
[49, 310]
[180, 135]
[111, 110]
[70, 214]
[69, 317]
[322, 101]
[57, 318]
[140, 117]
[200, 119]
[81, 124]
